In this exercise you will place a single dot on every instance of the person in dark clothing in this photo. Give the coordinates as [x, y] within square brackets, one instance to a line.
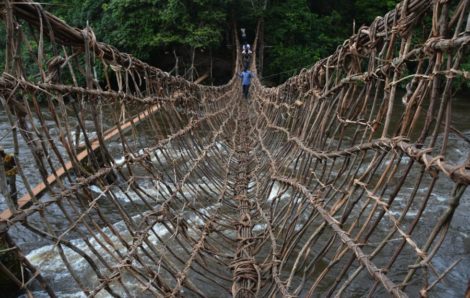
[246, 59]
[246, 77]
[10, 173]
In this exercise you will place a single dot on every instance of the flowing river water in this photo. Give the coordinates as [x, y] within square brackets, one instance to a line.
[42, 254]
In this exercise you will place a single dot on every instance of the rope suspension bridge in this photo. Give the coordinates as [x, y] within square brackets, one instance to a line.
[189, 190]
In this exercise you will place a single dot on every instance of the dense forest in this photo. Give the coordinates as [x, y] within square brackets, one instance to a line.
[194, 37]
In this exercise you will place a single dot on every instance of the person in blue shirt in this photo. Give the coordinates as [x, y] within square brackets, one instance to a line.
[246, 77]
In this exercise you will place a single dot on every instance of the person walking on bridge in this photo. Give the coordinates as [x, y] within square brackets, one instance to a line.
[244, 40]
[246, 77]
[246, 49]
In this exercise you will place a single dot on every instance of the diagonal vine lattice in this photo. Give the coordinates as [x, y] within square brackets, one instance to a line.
[156, 186]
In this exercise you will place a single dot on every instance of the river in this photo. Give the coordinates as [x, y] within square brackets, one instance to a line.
[42, 254]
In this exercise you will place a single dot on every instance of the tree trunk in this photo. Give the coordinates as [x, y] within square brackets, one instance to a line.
[211, 68]
[176, 63]
[191, 70]
[261, 49]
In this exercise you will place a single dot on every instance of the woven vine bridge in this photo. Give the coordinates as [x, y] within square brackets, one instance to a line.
[340, 182]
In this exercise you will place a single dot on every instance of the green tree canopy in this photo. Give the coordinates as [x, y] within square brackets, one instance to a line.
[297, 32]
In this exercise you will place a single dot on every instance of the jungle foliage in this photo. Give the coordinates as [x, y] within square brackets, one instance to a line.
[194, 32]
